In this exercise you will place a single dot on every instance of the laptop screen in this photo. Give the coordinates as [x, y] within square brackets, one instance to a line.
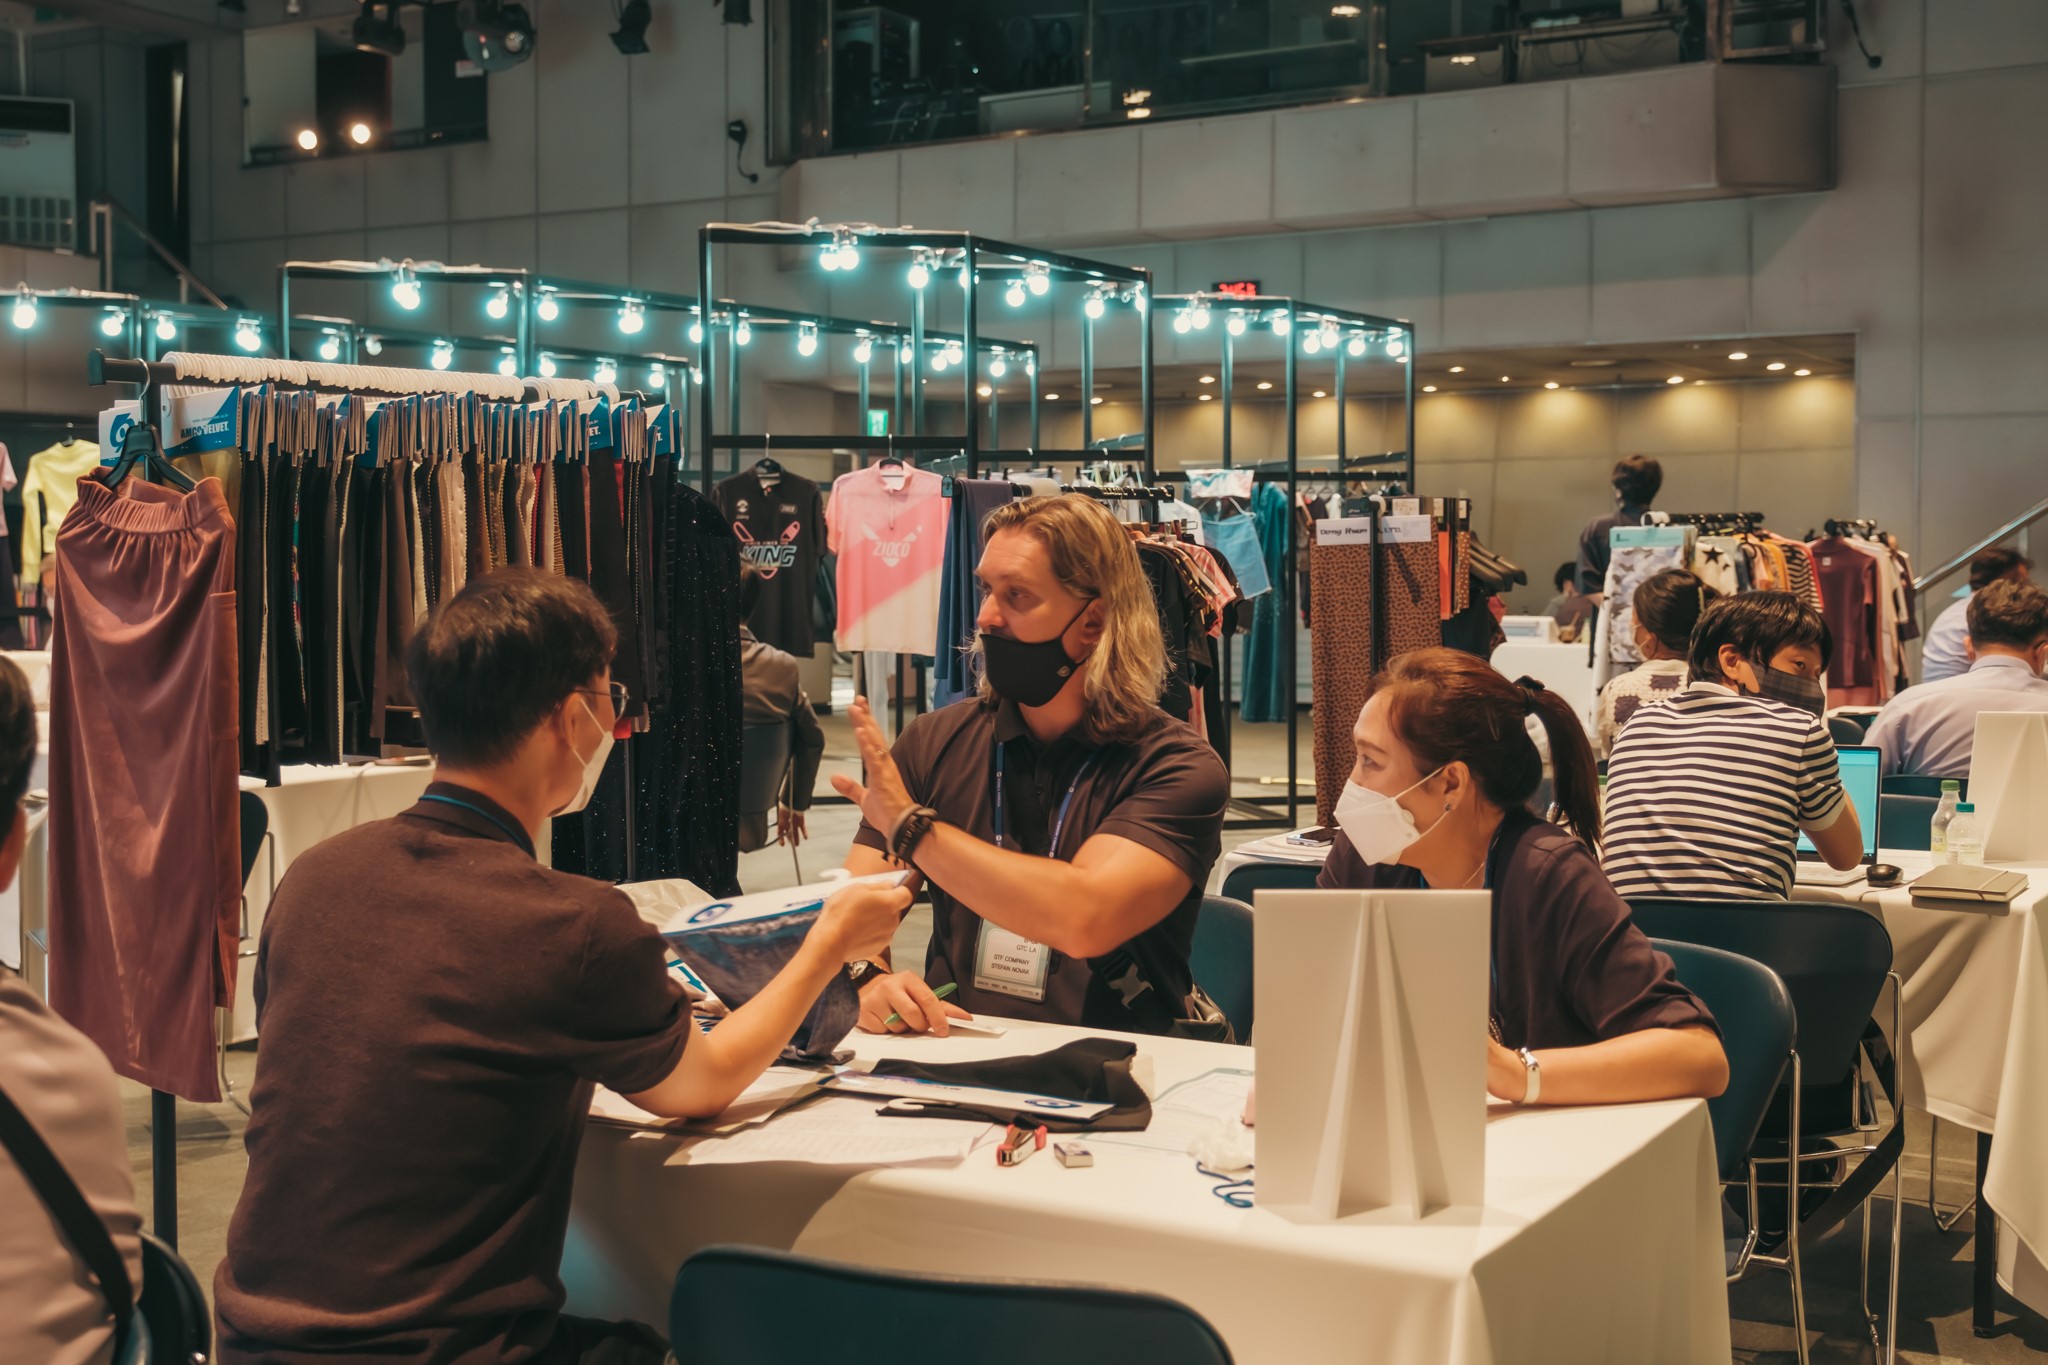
[1860, 768]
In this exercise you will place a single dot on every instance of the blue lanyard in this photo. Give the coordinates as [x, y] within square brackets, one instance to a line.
[1058, 824]
[517, 837]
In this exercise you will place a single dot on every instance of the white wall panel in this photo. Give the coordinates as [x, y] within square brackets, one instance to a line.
[1204, 176]
[1986, 277]
[1513, 281]
[1083, 186]
[1894, 31]
[1976, 472]
[1393, 272]
[969, 187]
[1797, 414]
[245, 273]
[1798, 491]
[842, 189]
[677, 103]
[665, 244]
[1491, 147]
[1559, 424]
[1975, 35]
[1344, 162]
[499, 178]
[582, 130]
[503, 243]
[1683, 419]
[1275, 262]
[1694, 483]
[574, 245]
[326, 196]
[1887, 457]
[1646, 133]
[1666, 270]
[1452, 426]
[408, 187]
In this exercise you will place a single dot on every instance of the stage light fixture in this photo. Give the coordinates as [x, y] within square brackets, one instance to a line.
[360, 133]
[308, 140]
[634, 17]
[496, 36]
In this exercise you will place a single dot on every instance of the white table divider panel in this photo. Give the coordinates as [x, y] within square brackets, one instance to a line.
[1372, 1070]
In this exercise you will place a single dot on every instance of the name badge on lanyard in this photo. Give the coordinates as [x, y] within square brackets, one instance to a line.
[1007, 963]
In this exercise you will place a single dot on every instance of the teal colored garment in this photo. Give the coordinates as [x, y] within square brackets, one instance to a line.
[1265, 677]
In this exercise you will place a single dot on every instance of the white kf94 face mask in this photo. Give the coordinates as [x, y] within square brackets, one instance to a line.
[1379, 827]
[592, 766]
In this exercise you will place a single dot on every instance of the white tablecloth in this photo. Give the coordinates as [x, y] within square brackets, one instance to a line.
[1975, 1053]
[1600, 1239]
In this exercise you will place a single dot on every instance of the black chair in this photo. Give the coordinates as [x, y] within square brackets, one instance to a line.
[1222, 960]
[1247, 881]
[255, 822]
[1919, 784]
[1835, 961]
[750, 1306]
[180, 1324]
[255, 829]
[1844, 730]
[766, 752]
[1758, 1032]
[1906, 822]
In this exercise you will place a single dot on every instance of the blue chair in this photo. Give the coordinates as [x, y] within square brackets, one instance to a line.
[1758, 1032]
[1222, 960]
[1247, 881]
[1834, 961]
[1905, 822]
[736, 1305]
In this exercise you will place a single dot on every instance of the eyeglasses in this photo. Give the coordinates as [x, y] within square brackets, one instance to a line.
[616, 691]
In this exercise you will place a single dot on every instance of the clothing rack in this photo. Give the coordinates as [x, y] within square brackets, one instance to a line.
[1732, 522]
[1849, 526]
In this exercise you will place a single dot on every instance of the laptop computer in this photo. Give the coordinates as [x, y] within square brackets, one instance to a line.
[1862, 767]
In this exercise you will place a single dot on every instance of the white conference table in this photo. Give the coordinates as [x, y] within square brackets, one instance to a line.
[1600, 1238]
[1975, 1051]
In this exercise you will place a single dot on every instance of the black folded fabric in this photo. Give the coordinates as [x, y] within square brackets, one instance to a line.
[1090, 1070]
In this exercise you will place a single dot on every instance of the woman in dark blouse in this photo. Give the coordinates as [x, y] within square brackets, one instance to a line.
[1584, 1010]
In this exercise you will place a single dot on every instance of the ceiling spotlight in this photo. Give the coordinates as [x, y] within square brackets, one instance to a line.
[743, 331]
[632, 317]
[377, 29]
[1457, 369]
[308, 140]
[1321, 393]
[1282, 324]
[1676, 379]
[24, 315]
[1504, 379]
[997, 366]
[442, 356]
[1802, 373]
[508, 364]
[984, 390]
[547, 367]
[405, 288]
[631, 38]
[248, 334]
[863, 349]
[1096, 401]
[330, 347]
[113, 322]
[1344, 11]
[1052, 398]
[807, 339]
[1356, 346]
[1204, 397]
[1311, 343]
[606, 372]
[1775, 365]
[360, 133]
[1038, 278]
[696, 333]
[1550, 384]
[549, 307]
[1208, 379]
[1265, 384]
[373, 345]
[657, 377]
[1429, 388]
[1738, 355]
[499, 303]
[166, 327]
[920, 274]
[495, 35]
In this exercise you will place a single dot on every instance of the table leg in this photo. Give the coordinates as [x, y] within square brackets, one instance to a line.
[1984, 1247]
[163, 1164]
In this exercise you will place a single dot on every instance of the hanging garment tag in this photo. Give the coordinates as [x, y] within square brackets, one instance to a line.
[114, 424]
[1358, 531]
[1010, 964]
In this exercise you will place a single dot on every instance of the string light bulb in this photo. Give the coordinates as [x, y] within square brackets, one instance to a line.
[1311, 342]
[997, 366]
[373, 345]
[508, 364]
[696, 333]
[1356, 346]
[166, 327]
[1095, 307]
[1014, 295]
[1201, 317]
[405, 288]
[632, 317]
[1397, 345]
[920, 273]
[499, 304]
[547, 367]
[807, 339]
[549, 308]
[1282, 324]
[607, 373]
[1183, 322]
[863, 349]
[442, 356]
[115, 320]
[1038, 278]
[330, 347]
[743, 332]
[248, 335]
[657, 377]
[1236, 325]
[24, 315]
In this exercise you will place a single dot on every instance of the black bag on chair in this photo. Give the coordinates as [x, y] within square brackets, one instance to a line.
[171, 1321]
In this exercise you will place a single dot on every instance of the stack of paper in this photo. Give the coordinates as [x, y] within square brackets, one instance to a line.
[778, 1087]
[1280, 848]
[842, 1131]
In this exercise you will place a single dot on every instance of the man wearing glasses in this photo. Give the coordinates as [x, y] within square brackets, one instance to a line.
[435, 1007]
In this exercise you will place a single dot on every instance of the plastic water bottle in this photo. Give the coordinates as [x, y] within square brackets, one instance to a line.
[1965, 836]
[1937, 833]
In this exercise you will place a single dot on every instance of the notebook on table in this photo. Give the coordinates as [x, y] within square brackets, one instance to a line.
[1861, 766]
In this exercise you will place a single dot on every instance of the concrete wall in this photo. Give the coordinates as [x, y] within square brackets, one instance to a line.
[1927, 249]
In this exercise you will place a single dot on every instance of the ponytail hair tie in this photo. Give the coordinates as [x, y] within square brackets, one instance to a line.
[1531, 689]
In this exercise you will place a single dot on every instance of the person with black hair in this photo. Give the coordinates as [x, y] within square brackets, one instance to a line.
[1667, 606]
[51, 1306]
[1570, 608]
[1582, 1009]
[771, 694]
[1932, 729]
[1636, 480]
[437, 1006]
[1945, 653]
[1708, 792]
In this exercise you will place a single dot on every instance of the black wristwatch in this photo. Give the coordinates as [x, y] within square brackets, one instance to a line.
[859, 973]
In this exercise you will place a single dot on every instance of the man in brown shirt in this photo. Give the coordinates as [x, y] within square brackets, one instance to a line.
[436, 1006]
[1065, 824]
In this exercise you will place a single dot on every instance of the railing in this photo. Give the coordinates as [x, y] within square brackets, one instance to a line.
[2018, 525]
[102, 214]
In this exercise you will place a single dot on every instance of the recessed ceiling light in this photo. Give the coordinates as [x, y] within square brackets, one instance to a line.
[1429, 388]
[1503, 379]
[1205, 397]
[1802, 373]
[1676, 379]
[1096, 400]
[1775, 365]
[1738, 355]
[1208, 379]
[1265, 384]
[1551, 384]
[1457, 369]
[984, 390]
[1052, 398]
[1322, 393]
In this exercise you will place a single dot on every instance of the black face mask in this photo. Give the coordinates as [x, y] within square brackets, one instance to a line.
[1775, 684]
[1029, 674]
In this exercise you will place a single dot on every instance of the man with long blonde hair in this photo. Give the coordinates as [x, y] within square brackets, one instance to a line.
[1064, 823]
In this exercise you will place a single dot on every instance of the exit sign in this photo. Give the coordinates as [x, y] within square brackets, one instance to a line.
[878, 421]
[1238, 289]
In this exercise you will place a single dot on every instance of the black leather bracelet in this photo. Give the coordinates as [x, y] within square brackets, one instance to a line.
[911, 832]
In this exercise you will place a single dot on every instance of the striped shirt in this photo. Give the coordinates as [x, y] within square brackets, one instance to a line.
[1707, 792]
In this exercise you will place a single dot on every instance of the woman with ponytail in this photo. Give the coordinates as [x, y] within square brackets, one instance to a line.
[1583, 1009]
[1667, 606]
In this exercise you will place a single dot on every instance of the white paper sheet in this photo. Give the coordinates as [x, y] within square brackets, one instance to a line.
[776, 1088]
[841, 1131]
[1186, 1112]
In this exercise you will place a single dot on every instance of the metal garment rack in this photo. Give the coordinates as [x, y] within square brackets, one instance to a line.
[1347, 335]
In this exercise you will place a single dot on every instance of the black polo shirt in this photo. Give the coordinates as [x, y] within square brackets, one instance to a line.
[1595, 549]
[1166, 791]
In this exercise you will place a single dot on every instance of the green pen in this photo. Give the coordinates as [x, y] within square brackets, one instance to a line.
[942, 992]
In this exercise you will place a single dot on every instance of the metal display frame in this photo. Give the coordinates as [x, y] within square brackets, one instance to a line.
[1354, 334]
